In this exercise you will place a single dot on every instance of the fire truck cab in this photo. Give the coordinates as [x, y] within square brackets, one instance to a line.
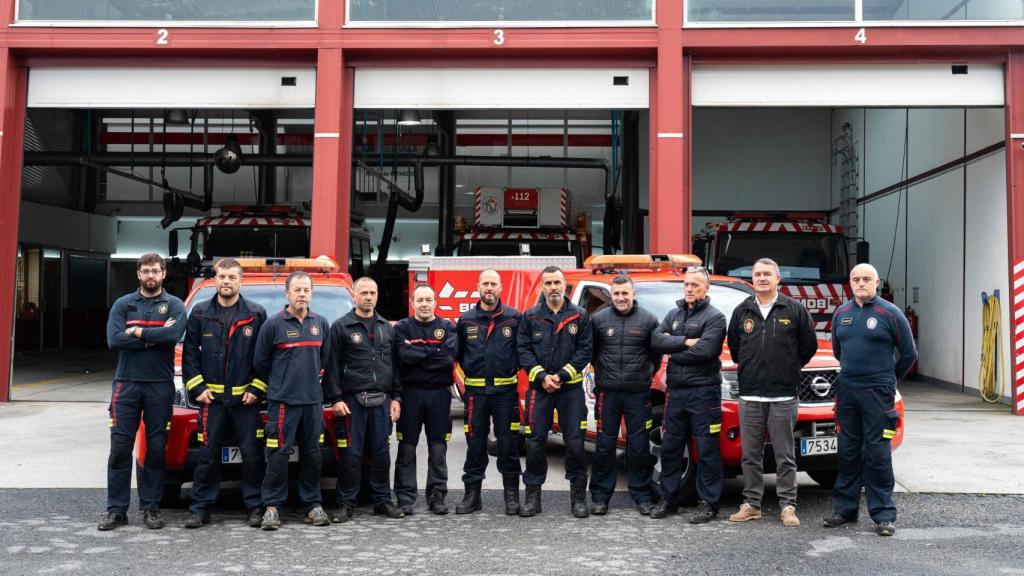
[811, 253]
[524, 222]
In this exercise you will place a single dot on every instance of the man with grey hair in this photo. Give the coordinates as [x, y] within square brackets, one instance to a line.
[872, 341]
[771, 338]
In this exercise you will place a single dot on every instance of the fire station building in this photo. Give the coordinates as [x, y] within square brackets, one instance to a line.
[898, 125]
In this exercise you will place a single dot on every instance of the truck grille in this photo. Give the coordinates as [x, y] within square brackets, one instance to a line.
[818, 386]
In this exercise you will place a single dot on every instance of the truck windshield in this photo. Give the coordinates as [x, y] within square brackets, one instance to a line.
[660, 297]
[511, 248]
[331, 302]
[802, 258]
[267, 241]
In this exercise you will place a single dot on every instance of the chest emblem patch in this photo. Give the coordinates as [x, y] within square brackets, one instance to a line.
[247, 331]
[506, 331]
[357, 337]
[872, 323]
[439, 333]
[675, 324]
[611, 331]
[314, 330]
[293, 334]
[573, 329]
[748, 325]
[784, 321]
[846, 321]
[162, 308]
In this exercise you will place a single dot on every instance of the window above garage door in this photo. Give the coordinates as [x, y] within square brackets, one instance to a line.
[167, 13]
[703, 13]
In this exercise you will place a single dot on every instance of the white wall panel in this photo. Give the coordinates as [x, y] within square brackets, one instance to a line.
[851, 85]
[935, 256]
[87, 87]
[501, 88]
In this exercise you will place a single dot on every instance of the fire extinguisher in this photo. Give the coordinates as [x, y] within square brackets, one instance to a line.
[912, 318]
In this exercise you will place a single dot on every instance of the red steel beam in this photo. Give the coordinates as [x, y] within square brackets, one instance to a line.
[670, 200]
[1015, 218]
[13, 87]
[332, 158]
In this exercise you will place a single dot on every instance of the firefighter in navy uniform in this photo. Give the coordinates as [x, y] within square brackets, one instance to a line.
[360, 385]
[426, 346]
[488, 359]
[554, 345]
[291, 351]
[143, 327]
[872, 340]
[216, 366]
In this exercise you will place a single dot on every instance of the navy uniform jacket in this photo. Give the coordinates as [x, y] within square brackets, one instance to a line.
[551, 343]
[218, 357]
[361, 361]
[426, 352]
[700, 364]
[290, 356]
[864, 339]
[487, 349]
[151, 357]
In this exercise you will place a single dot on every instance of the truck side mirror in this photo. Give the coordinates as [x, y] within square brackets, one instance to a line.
[863, 252]
[172, 244]
[699, 247]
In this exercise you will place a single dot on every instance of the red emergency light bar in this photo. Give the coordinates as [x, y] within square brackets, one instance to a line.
[642, 262]
[240, 209]
[819, 217]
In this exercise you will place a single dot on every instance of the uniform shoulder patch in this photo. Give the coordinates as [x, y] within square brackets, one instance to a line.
[506, 331]
[314, 330]
[573, 328]
[162, 308]
[439, 333]
[357, 337]
[247, 331]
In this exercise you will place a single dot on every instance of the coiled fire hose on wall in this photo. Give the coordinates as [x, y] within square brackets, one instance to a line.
[992, 373]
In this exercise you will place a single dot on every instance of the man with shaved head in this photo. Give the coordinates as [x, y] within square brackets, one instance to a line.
[487, 356]
[872, 341]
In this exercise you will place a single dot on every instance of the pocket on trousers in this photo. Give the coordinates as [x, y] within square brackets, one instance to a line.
[715, 425]
[270, 431]
[891, 420]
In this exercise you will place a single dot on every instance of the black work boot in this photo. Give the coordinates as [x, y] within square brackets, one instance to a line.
[152, 519]
[531, 505]
[197, 520]
[471, 499]
[435, 503]
[255, 517]
[110, 520]
[578, 499]
[512, 494]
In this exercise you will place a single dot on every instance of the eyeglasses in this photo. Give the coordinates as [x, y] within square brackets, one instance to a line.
[151, 271]
[696, 269]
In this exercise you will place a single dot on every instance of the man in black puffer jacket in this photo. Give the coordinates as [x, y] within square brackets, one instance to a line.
[623, 368]
[692, 334]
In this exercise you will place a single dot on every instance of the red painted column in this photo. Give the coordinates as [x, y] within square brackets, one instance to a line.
[1015, 215]
[332, 157]
[670, 193]
[13, 87]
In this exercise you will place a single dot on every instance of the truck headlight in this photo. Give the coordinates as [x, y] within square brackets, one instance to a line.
[730, 385]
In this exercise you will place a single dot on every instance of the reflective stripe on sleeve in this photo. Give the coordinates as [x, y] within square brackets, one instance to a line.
[535, 371]
[193, 382]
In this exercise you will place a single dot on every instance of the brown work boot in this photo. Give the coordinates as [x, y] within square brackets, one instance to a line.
[788, 516]
[745, 513]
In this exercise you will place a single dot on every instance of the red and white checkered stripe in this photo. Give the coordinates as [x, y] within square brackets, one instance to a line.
[518, 236]
[565, 207]
[780, 227]
[253, 221]
[1018, 338]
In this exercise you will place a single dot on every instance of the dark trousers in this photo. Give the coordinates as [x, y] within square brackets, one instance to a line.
[430, 410]
[692, 412]
[130, 403]
[867, 420]
[288, 426]
[480, 410]
[216, 424]
[365, 429]
[610, 408]
[572, 421]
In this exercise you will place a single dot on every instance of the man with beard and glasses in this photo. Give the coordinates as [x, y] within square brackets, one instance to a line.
[216, 367]
[291, 352]
[555, 343]
[143, 327]
[487, 357]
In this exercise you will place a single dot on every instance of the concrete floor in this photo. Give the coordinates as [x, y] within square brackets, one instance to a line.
[954, 443]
